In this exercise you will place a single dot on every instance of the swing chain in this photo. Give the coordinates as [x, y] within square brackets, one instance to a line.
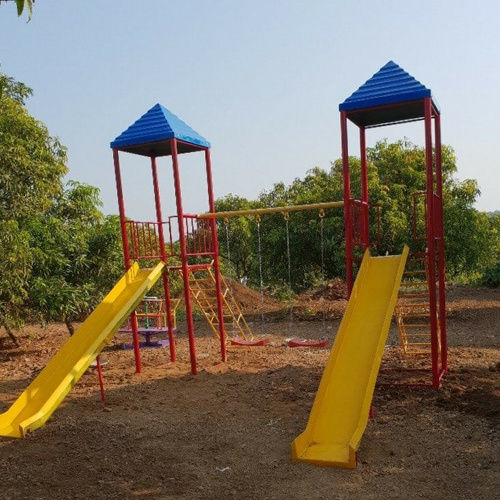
[226, 221]
[257, 219]
[286, 215]
[321, 213]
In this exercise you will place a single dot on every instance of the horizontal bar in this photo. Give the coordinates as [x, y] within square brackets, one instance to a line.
[192, 267]
[272, 210]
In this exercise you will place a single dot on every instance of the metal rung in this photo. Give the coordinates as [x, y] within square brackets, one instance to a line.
[416, 315]
[409, 305]
[417, 325]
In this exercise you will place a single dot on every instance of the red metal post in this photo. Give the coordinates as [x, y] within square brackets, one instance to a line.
[431, 279]
[126, 254]
[215, 243]
[163, 254]
[121, 209]
[101, 381]
[441, 254]
[347, 203]
[364, 187]
[185, 268]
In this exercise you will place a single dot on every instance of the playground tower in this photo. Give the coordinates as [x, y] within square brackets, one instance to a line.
[156, 134]
[389, 97]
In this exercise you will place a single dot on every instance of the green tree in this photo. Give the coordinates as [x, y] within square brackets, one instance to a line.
[77, 256]
[15, 267]
[395, 172]
[33, 164]
[58, 253]
[235, 236]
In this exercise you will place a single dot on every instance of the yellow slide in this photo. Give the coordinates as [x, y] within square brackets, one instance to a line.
[37, 403]
[340, 411]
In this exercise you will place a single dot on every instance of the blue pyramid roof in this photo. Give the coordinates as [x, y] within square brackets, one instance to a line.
[390, 85]
[151, 134]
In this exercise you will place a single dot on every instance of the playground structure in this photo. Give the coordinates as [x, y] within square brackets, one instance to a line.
[160, 133]
[389, 97]
[342, 404]
[285, 212]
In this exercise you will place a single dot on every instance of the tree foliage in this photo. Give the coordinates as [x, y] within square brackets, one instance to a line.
[23, 6]
[76, 255]
[58, 252]
[33, 162]
[395, 171]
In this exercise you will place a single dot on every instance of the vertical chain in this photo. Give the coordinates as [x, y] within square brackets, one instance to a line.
[286, 215]
[321, 225]
[261, 281]
[230, 267]
[323, 281]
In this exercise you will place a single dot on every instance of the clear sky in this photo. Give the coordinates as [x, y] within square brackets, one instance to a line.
[261, 80]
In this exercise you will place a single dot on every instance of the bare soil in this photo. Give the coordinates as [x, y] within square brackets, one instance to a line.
[226, 432]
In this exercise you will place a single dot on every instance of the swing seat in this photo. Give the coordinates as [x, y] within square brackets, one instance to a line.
[250, 343]
[323, 342]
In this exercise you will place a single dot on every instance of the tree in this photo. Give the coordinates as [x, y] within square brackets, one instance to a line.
[235, 236]
[15, 266]
[22, 6]
[76, 256]
[58, 253]
[395, 171]
[33, 164]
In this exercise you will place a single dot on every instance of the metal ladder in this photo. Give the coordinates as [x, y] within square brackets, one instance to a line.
[412, 312]
[202, 287]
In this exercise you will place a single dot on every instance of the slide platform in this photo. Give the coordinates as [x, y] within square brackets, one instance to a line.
[42, 397]
[342, 404]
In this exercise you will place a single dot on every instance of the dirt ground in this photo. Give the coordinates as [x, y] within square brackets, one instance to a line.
[226, 432]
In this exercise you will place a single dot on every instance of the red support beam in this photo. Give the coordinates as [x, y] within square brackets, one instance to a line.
[184, 262]
[163, 254]
[215, 244]
[100, 377]
[431, 279]
[441, 254]
[364, 188]
[121, 209]
[126, 254]
[347, 203]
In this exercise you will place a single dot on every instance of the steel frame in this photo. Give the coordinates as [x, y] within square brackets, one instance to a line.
[151, 236]
[434, 223]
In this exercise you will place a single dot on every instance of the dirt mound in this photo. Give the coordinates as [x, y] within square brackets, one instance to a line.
[252, 301]
[327, 302]
[334, 290]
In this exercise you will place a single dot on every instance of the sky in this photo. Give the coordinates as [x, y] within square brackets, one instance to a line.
[261, 80]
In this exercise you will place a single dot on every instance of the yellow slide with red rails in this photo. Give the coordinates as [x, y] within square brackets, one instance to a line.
[42, 397]
[342, 404]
